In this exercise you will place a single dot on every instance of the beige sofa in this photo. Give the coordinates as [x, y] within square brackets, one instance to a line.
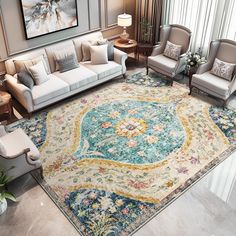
[62, 85]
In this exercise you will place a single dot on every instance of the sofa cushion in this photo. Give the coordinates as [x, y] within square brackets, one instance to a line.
[50, 89]
[162, 62]
[212, 83]
[99, 54]
[104, 70]
[78, 77]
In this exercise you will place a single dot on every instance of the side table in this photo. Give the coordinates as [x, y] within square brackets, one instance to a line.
[6, 108]
[145, 49]
[128, 47]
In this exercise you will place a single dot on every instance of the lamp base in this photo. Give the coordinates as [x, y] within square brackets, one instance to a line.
[124, 36]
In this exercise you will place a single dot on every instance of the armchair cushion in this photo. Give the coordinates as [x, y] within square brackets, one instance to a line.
[212, 84]
[223, 69]
[16, 141]
[162, 62]
[172, 50]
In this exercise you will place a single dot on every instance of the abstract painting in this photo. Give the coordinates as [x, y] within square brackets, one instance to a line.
[43, 17]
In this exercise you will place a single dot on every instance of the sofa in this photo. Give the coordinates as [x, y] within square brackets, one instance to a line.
[62, 85]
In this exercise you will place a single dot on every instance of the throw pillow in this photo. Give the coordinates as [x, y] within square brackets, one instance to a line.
[21, 65]
[38, 73]
[67, 63]
[110, 48]
[172, 50]
[25, 78]
[2, 149]
[62, 54]
[99, 54]
[223, 69]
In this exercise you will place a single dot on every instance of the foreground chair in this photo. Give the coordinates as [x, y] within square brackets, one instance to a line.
[206, 81]
[19, 152]
[178, 35]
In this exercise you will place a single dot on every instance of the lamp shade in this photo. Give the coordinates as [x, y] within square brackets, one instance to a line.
[124, 20]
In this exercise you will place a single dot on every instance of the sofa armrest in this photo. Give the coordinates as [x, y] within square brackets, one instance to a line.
[120, 58]
[20, 92]
[158, 49]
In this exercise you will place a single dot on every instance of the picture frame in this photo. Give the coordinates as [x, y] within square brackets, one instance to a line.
[43, 17]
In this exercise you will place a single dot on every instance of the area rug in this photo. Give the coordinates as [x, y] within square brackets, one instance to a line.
[118, 154]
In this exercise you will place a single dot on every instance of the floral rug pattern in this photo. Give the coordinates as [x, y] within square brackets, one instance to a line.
[118, 154]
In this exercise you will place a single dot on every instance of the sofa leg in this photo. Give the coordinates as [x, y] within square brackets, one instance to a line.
[29, 115]
[124, 76]
[147, 70]
[171, 81]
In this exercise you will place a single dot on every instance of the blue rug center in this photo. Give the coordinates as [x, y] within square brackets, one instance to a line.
[127, 131]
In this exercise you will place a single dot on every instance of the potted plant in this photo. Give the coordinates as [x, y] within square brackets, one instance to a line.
[194, 60]
[4, 195]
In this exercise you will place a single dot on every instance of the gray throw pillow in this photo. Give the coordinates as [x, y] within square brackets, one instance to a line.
[110, 49]
[67, 63]
[25, 78]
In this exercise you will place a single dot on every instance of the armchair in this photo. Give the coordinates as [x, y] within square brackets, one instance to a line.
[204, 80]
[176, 34]
[18, 151]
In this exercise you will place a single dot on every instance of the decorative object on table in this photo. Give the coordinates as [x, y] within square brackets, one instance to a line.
[134, 150]
[124, 20]
[6, 109]
[43, 17]
[4, 195]
[210, 83]
[127, 47]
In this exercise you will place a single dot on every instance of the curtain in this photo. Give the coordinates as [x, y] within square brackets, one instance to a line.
[207, 19]
[150, 10]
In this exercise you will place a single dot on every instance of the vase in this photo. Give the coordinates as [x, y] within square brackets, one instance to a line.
[3, 206]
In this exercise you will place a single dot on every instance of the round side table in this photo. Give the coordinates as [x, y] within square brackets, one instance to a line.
[5, 105]
[128, 47]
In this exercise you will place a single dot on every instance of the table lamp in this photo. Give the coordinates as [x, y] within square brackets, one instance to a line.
[124, 20]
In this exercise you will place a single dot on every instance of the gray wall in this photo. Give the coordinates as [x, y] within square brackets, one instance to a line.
[93, 15]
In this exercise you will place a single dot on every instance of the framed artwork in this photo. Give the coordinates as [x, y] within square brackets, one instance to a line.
[43, 17]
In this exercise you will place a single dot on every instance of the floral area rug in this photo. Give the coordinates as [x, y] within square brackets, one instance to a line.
[118, 154]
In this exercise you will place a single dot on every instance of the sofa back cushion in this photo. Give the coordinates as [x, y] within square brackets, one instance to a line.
[52, 50]
[10, 66]
[78, 42]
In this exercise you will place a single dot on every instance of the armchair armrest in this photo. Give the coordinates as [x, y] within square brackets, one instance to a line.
[20, 92]
[232, 85]
[25, 151]
[158, 49]
[120, 58]
[204, 68]
[181, 64]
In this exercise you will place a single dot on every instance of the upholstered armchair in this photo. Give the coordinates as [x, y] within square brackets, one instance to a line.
[206, 81]
[18, 154]
[176, 34]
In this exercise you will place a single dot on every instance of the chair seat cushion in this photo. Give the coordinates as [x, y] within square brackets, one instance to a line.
[78, 77]
[162, 62]
[52, 88]
[16, 141]
[212, 83]
[104, 70]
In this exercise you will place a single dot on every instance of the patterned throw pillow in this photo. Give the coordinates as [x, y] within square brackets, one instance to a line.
[223, 69]
[172, 50]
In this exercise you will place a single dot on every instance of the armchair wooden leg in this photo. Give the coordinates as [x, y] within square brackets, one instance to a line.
[41, 172]
[190, 90]
[124, 76]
